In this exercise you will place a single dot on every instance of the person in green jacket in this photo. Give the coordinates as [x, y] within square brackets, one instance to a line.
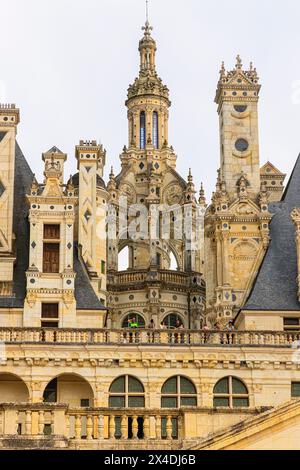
[133, 323]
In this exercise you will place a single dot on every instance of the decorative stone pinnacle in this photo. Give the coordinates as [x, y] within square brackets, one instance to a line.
[239, 63]
[222, 70]
[202, 200]
[147, 30]
[111, 175]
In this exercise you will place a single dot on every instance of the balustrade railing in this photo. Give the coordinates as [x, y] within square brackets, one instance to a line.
[123, 424]
[163, 276]
[28, 420]
[175, 337]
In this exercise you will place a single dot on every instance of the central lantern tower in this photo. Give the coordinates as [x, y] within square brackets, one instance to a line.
[162, 277]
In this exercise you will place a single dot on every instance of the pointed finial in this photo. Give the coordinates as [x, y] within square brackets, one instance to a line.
[147, 28]
[111, 175]
[238, 62]
[222, 70]
[190, 177]
[202, 200]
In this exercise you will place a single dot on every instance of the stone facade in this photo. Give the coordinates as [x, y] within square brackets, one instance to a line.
[95, 356]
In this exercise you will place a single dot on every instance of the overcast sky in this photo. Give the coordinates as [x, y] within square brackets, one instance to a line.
[67, 65]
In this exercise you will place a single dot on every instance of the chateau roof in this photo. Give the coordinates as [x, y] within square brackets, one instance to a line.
[23, 180]
[84, 293]
[55, 150]
[100, 181]
[275, 287]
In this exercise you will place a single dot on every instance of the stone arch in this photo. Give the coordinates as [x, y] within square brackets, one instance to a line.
[133, 258]
[231, 392]
[70, 388]
[169, 322]
[13, 389]
[132, 313]
[174, 253]
[178, 390]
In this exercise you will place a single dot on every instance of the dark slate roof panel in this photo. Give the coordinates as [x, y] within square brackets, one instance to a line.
[275, 287]
[84, 293]
[23, 180]
[54, 150]
[100, 181]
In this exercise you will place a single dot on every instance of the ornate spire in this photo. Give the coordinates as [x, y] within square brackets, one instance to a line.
[202, 200]
[111, 186]
[148, 82]
[111, 174]
[190, 188]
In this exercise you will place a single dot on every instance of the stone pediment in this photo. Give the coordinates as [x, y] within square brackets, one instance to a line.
[245, 207]
[239, 79]
[269, 169]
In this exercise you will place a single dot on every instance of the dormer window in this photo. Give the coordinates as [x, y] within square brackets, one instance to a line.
[51, 248]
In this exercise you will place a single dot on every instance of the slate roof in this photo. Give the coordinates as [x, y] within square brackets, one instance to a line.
[23, 180]
[54, 150]
[100, 181]
[275, 287]
[84, 293]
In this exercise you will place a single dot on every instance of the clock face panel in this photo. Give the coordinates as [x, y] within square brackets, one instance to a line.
[242, 145]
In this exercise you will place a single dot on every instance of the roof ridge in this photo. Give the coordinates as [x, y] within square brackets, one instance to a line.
[287, 190]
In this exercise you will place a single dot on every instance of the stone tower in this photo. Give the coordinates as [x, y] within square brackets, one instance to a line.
[237, 100]
[9, 119]
[92, 199]
[237, 222]
[151, 203]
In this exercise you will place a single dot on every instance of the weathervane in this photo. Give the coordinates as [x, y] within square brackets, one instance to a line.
[147, 28]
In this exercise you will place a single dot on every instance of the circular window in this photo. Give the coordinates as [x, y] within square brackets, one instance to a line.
[242, 145]
[240, 108]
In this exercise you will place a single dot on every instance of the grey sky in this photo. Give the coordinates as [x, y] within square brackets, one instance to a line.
[67, 64]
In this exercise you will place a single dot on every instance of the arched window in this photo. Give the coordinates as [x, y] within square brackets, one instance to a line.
[173, 262]
[126, 392]
[133, 320]
[155, 129]
[142, 130]
[170, 321]
[178, 391]
[125, 259]
[231, 392]
[50, 392]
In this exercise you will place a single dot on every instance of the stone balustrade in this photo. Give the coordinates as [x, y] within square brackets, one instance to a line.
[123, 424]
[129, 277]
[163, 276]
[45, 419]
[149, 337]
